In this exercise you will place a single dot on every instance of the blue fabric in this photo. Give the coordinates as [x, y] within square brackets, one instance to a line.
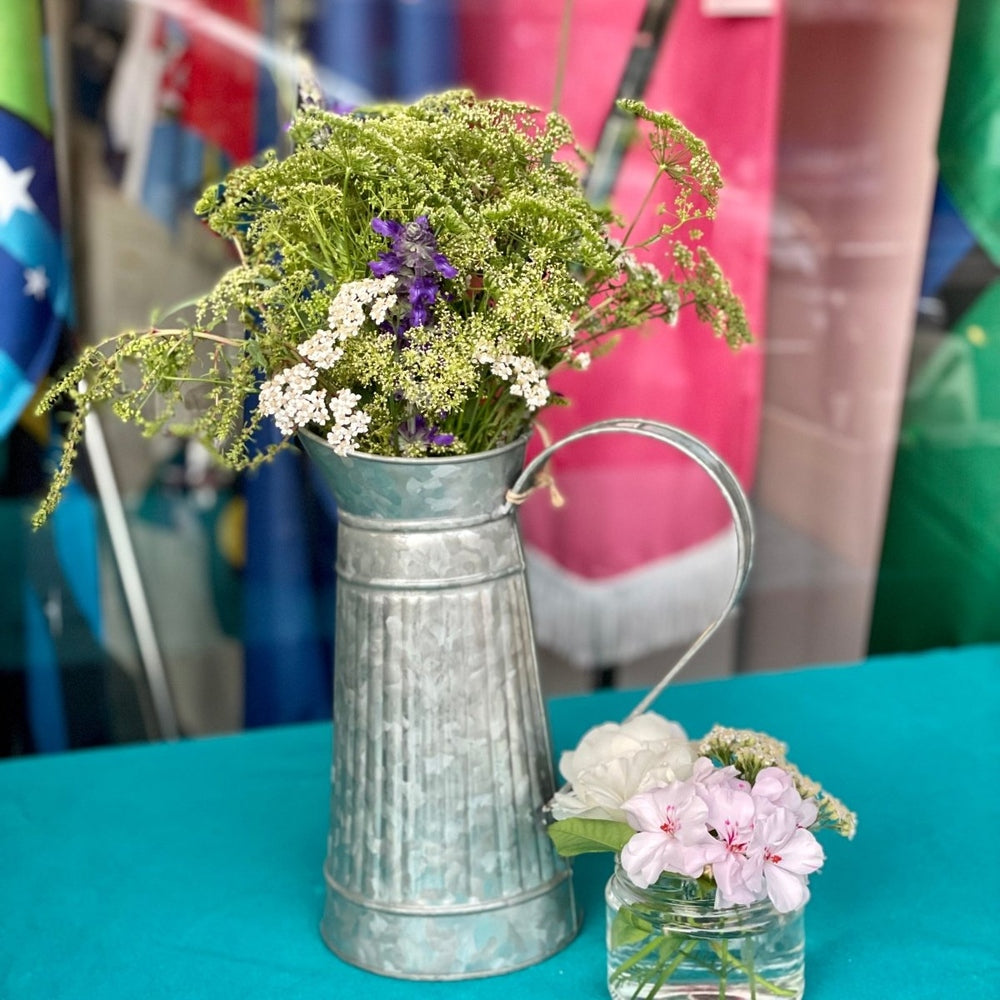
[32, 317]
[425, 47]
[345, 38]
[288, 601]
[194, 870]
[948, 241]
[46, 714]
[175, 173]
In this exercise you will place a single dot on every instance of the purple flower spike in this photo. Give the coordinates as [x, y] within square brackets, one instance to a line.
[387, 227]
[416, 430]
[417, 265]
[445, 269]
[387, 263]
[422, 291]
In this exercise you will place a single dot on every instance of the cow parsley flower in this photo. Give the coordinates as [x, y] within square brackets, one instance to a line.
[527, 379]
[346, 316]
[379, 250]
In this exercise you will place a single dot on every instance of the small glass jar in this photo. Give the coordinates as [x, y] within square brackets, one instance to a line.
[669, 941]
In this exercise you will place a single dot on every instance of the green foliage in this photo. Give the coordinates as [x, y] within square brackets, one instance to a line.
[588, 836]
[538, 278]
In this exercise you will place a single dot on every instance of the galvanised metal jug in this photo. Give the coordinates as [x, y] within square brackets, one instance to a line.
[438, 864]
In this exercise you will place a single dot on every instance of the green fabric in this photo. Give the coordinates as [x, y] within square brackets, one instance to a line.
[969, 138]
[22, 67]
[939, 579]
[193, 870]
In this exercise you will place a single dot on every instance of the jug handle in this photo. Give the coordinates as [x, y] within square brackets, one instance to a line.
[720, 473]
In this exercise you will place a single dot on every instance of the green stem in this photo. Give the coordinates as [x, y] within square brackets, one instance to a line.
[723, 952]
[642, 205]
[673, 952]
[668, 969]
[650, 946]
[730, 961]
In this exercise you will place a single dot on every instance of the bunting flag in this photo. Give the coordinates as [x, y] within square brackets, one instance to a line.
[188, 99]
[642, 555]
[967, 143]
[53, 668]
[34, 276]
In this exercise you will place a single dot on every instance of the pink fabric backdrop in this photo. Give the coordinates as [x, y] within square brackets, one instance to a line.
[634, 507]
[720, 76]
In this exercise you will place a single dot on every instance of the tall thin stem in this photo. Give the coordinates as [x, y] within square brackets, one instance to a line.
[562, 55]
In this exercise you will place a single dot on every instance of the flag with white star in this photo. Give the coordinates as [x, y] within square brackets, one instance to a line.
[35, 289]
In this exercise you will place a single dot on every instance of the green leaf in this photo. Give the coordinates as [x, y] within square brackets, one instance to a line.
[628, 928]
[587, 836]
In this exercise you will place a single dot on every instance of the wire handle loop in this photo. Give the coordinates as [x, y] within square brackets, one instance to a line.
[721, 475]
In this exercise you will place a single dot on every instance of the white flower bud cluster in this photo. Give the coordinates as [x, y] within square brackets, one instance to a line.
[673, 303]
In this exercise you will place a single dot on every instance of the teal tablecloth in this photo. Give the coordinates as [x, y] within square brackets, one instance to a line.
[194, 870]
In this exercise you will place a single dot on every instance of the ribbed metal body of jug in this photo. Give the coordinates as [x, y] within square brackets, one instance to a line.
[438, 864]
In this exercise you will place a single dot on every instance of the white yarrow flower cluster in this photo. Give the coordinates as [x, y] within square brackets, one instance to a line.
[349, 423]
[292, 399]
[291, 396]
[526, 377]
[346, 316]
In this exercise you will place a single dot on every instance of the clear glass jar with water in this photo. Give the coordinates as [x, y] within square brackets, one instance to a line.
[669, 941]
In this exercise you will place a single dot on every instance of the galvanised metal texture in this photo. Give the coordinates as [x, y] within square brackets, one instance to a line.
[438, 864]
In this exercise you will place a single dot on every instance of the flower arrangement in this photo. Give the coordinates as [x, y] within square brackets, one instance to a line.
[726, 819]
[408, 280]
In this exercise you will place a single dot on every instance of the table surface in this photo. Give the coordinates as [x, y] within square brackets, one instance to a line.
[193, 869]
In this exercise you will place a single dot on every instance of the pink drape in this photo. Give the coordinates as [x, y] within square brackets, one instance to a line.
[640, 529]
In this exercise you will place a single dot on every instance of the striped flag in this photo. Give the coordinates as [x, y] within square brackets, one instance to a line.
[34, 274]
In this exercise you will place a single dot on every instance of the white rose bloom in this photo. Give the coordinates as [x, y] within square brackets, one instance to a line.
[614, 762]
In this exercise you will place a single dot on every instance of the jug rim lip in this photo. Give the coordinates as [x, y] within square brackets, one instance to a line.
[474, 456]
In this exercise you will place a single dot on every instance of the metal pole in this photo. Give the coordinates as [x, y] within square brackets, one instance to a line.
[131, 578]
[58, 20]
[618, 126]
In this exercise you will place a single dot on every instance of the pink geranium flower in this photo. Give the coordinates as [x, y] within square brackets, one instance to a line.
[788, 855]
[738, 875]
[774, 788]
[673, 834]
